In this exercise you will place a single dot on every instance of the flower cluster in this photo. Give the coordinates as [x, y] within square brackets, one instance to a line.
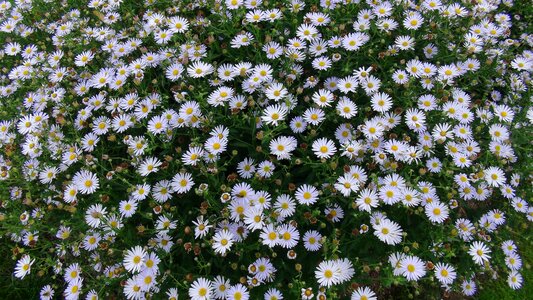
[250, 149]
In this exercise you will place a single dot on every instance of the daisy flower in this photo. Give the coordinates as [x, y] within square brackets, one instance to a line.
[373, 129]
[515, 280]
[157, 125]
[265, 169]
[298, 124]
[400, 77]
[222, 241]
[496, 216]
[520, 205]
[404, 42]
[361, 25]
[121, 123]
[182, 183]
[238, 102]
[132, 289]
[354, 41]
[306, 194]
[410, 197]
[273, 294]
[288, 236]
[72, 272]
[324, 148]
[192, 156]
[94, 215]
[263, 269]
[237, 292]
[178, 24]
[469, 287]
[220, 287]
[347, 84]
[199, 69]
[285, 206]
[127, 208]
[381, 102]
[274, 114]
[241, 40]
[172, 294]
[201, 289]
[174, 71]
[202, 227]
[269, 236]
[146, 280]
[86, 182]
[346, 108]
[220, 96]
[140, 191]
[73, 289]
[327, 273]
[504, 113]
[346, 184]
[333, 272]
[442, 131]
[367, 200]
[388, 232]
[47, 292]
[413, 268]
[312, 240]
[246, 168]
[276, 92]
[149, 165]
[63, 232]
[363, 293]
[83, 58]
[23, 267]
[323, 97]
[334, 213]
[395, 260]
[321, 63]
[253, 218]
[314, 116]
[273, 50]
[389, 194]
[215, 145]
[513, 261]
[307, 294]
[161, 191]
[509, 247]
[282, 146]
[494, 176]
[447, 72]
[437, 212]
[134, 259]
[413, 21]
[344, 133]
[445, 273]
[48, 175]
[243, 191]
[479, 252]
[264, 72]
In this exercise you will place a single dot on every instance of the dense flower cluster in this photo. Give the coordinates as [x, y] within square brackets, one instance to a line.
[250, 149]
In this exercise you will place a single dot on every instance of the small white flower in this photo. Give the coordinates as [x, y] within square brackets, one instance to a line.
[23, 267]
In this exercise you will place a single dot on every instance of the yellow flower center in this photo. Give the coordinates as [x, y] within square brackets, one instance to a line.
[411, 268]
[137, 259]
